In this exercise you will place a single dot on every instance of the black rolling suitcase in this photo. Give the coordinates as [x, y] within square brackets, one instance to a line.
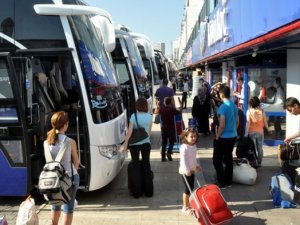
[140, 180]
[134, 180]
[147, 180]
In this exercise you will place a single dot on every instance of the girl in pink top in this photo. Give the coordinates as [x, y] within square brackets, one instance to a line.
[256, 121]
[188, 164]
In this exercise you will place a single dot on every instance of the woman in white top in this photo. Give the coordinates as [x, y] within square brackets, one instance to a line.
[55, 137]
[188, 164]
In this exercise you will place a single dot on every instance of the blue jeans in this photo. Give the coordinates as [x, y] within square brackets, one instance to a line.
[69, 207]
[258, 139]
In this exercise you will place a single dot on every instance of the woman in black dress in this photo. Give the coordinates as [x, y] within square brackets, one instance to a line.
[201, 109]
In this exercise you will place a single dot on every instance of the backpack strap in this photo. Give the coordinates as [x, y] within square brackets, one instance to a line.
[60, 154]
[48, 156]
[62, 150]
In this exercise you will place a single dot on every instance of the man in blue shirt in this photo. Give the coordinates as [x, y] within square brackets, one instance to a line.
[225, 138]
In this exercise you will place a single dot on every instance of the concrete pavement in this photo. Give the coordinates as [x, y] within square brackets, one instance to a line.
[114, 205]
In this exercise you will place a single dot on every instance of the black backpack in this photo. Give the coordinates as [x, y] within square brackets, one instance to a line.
[246, 149]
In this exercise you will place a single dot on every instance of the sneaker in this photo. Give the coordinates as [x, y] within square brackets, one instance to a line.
[187, 210]
[222, 186]
[163, 159]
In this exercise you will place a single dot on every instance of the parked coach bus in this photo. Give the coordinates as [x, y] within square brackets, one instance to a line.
[132, 74]
[148, 56]
[53, 57]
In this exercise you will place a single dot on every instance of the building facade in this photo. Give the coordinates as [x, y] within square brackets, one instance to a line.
[258, 40]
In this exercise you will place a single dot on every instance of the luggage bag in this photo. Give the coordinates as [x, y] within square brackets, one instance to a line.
[209, 205]
[243, 173]
[140, 180]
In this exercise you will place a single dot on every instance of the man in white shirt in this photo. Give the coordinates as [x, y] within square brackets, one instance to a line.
[185, 92]
[241, 95]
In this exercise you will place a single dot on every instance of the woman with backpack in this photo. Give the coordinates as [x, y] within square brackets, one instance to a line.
[256, 121]
[70, 161]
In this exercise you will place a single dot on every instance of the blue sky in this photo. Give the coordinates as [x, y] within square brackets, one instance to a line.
[158, 19]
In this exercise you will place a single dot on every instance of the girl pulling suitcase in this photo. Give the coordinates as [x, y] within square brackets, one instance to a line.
[206, 202]
[188, 164]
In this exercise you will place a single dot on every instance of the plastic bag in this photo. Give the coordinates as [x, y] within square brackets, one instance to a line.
[27, 214]
[3, 220]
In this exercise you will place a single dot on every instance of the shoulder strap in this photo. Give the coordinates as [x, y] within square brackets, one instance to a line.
[137, 123]
[62, 150]
[48, 156]
[60, 153]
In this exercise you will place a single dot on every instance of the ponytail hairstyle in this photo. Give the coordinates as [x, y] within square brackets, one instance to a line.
[58, 120]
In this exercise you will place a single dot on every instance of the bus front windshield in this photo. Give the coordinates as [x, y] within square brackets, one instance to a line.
[138, 68]
[101, 82]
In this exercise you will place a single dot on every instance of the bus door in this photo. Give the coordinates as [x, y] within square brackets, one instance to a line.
[128, 85]
[15, 171]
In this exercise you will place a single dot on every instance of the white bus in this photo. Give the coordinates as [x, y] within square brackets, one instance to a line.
[131, 71]
[148, 56]
[54, 55]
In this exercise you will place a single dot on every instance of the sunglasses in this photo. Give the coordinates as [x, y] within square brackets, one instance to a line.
[190, 129]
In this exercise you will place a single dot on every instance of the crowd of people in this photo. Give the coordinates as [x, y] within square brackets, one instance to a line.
[229, 126]
[212, 102]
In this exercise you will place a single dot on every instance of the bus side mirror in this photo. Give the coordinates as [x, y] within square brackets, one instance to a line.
[107, 31]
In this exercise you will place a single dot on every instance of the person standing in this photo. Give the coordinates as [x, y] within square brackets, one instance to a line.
[256, 121]
[279, 100]
[168, 128]
[292, 105]
[162, 92]
[173, 81]
[241, 95]
[70, 162]
[185, 92]
[225, 138]
[201, 109]
[188, 164]
[141, 118]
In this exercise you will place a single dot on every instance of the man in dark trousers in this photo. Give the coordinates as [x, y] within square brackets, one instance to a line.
[225, 138]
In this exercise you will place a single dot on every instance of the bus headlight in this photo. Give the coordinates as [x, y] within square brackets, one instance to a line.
[108, 151]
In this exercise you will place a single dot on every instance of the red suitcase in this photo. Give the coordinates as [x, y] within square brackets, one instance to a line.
[210, 207]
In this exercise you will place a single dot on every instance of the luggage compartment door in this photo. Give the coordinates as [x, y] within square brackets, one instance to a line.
[14, 158]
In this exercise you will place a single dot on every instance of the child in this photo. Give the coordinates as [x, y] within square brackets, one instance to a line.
[188, 164]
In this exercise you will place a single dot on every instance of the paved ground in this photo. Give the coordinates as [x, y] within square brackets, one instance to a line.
[113, 205]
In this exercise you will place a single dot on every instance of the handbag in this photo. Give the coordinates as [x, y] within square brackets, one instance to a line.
[138, 134]
[288, 152]
[3, 220]
[157, 119]
[243, 172]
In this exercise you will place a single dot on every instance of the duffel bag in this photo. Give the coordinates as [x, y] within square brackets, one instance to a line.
[243, 173]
